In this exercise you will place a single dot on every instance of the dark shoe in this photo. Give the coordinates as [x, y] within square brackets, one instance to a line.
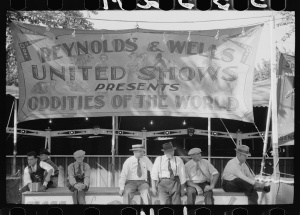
[266, 189]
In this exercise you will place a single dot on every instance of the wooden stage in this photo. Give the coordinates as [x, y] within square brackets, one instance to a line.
[110, 195]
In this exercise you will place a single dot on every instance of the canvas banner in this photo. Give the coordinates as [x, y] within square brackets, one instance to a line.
[78, 73]
[286, 99]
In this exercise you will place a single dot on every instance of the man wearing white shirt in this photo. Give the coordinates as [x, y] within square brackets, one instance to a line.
[237, 176]
[201, 177]
[36, 171]
[134, 176]
[168, 175]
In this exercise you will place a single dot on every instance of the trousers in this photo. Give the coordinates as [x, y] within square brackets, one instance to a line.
[239, 185]
[132, 186]
[169, 191]
[192, 193]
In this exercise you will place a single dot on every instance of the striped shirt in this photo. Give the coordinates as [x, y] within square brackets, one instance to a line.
[129, 170]
[235, 169]
[196, 176]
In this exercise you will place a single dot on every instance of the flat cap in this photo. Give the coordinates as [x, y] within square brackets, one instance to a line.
[79, 153]
[194, 151]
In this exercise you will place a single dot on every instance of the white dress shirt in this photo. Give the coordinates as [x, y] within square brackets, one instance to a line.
[196, 176]
[43, 165]
[234, 169]
[160, 168]
[129, 170]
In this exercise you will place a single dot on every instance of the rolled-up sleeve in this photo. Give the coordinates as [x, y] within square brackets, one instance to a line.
[181, 171]
[71, 176]
[26, 179]
[154, 171]
[46, 167]
[212, 170]
[87, 174]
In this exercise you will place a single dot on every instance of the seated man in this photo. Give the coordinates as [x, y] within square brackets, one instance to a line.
[78, 177]
[237, 176]
[198, 175]
[36, 171]
[134, 176]
[44, 156]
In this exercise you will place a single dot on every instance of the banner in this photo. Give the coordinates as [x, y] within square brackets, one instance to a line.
[286, 99]
[77, 73]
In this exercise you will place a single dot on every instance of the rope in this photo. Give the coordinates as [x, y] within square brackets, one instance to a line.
[228, 132]
[10, 113]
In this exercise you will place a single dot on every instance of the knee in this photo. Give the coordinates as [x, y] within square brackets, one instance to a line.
[191, 190]
[208, 193]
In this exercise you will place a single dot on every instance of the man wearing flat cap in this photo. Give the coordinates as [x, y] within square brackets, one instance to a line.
[168, 175]
[238, 177]
[79, 177]
[201, 178]
[134, 176]
[44, 156]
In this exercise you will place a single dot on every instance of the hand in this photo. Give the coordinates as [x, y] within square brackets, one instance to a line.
[199, 190]
[45, 183]
[258, 185]
[78, 186]
[82, 186]
[208, 187]
[154, 191]
[121, 192]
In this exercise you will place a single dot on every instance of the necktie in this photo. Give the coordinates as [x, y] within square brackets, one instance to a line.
[198, 170]
[139, 169]
[79, 169]
[170, 169]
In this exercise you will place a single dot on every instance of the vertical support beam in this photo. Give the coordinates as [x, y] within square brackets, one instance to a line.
[48, 139]
[239, 140]
[112, 184]
[183, 143]
[209, 138]
[117, 136]
[274, 105]
[15, 137]
[144, 139]
[266, 136]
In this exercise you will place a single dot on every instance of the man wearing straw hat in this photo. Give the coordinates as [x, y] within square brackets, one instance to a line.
[168, 175]
[134, 176]
[201, 177]
[238, 177]
[79, 177]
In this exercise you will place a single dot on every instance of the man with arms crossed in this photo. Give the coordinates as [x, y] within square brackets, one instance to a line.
[198, 175]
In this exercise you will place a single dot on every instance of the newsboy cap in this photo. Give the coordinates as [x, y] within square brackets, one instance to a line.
[194, 151]
[79, 153]
[243, 149]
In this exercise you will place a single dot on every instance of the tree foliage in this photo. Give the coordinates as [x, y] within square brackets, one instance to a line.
[53, 19]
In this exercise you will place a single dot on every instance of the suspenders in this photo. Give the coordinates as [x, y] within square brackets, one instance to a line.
[160, 167]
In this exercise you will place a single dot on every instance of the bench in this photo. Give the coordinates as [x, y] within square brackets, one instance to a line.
[110, 195]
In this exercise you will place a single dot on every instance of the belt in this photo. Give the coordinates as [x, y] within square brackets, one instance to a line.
[170, 178]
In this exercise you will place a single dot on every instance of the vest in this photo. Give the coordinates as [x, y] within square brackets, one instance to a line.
[38, 175]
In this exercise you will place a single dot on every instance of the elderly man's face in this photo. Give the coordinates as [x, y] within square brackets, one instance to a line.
[170, 153]
[197, 157]
[79, 159]
[138, 153]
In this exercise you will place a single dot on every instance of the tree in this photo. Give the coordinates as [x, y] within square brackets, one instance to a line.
[53, 19]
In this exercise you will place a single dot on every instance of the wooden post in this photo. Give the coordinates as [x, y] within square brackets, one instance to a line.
[117, 136]
[48, 139]
[209, 138]
[113, 153]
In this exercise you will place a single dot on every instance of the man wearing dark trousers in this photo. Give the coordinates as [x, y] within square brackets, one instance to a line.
[168, 175]
[237, 176]
[79, 177]
[36, 171]
[201, 178]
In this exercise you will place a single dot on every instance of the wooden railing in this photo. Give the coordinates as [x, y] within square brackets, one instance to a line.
[101, 164]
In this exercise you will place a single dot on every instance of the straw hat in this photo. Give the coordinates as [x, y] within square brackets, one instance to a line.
[138, 147]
